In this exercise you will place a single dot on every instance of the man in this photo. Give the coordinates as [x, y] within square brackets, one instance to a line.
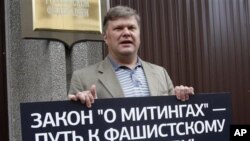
[122, 73]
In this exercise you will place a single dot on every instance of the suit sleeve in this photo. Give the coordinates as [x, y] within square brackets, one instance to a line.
[75, 83]
[169, 83]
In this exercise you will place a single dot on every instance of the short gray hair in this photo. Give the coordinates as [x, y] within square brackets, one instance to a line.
[117, 12]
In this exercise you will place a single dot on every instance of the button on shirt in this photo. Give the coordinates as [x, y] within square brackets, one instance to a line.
[132, 81]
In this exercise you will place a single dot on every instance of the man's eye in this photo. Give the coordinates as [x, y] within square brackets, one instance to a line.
[118, 28]
[132, 28]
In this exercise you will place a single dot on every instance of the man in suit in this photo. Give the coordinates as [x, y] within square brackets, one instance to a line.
[122, 73]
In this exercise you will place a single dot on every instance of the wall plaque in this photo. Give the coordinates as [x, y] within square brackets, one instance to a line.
[75, 15]
[69, 21]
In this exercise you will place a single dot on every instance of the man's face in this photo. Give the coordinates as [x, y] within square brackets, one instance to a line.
[123, 37]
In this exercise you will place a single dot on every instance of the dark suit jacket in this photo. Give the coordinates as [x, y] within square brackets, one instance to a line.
[108, 86]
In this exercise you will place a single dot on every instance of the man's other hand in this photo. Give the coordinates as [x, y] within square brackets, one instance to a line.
[183, 92]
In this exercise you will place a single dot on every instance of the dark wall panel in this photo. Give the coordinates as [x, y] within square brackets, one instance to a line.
[202, 43]
[3, 92]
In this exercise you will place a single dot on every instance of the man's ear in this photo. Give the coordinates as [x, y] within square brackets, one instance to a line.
[105, 37]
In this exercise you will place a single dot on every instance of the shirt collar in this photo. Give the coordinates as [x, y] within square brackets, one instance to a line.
[116, 65]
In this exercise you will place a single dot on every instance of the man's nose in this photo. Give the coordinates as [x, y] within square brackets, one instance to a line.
[126, 32]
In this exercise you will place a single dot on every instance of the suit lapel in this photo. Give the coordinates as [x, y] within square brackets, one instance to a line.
[151, 79]
[108, 79]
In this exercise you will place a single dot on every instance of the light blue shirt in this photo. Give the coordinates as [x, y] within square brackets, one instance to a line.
[132, 81]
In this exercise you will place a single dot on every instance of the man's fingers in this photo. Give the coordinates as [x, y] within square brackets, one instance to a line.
[72, 97]
[182, 92]
[191, 90]
[87, 100]
[85, 97]
[186, 97]
[82, 97]
[178, 92]
[93, 91]
[91, 98]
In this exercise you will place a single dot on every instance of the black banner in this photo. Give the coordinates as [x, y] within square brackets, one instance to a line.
[205, 117]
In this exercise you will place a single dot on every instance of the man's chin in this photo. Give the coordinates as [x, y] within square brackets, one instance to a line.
[128, 53]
